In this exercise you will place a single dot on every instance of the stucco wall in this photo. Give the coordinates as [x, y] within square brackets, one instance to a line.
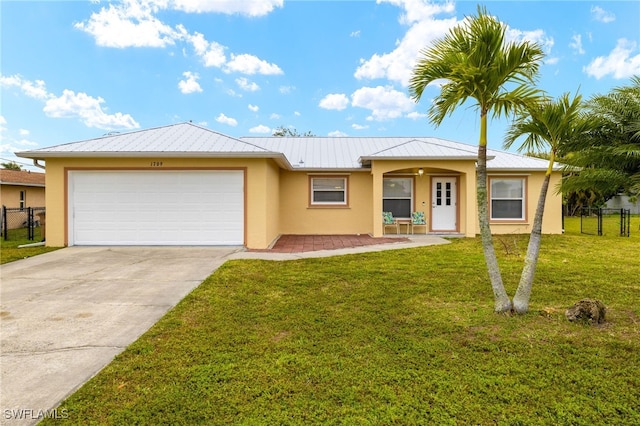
[10, 196]
[261, 177]
[552, 219]
[298, 217]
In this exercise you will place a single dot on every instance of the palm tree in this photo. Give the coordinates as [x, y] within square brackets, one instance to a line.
[476, 61]
[610, 154]
[548, 125]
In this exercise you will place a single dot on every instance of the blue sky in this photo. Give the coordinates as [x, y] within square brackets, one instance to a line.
[74, 70]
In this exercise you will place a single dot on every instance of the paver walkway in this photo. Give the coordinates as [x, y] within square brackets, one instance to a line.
[306, 243]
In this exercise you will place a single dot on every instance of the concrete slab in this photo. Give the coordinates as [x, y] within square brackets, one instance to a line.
[66, 314]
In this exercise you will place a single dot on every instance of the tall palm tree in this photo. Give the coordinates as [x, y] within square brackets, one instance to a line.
[476, 61]
[548, 125]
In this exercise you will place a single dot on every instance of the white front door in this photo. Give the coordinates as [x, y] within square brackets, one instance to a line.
[444, 204]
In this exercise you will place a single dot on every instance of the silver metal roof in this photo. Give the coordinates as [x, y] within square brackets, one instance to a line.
[294, 153]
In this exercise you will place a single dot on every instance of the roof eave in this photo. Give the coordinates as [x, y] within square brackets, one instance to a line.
[43, 155]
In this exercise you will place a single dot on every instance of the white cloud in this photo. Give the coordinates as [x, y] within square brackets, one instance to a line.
[129, 24]
[23, 132]
[245, 7]
[619, 63]
[285, 89]
[190, 84]
[337, 134]
[71, 105]
[253, 108]
[246, 85]
[576, 44]
[355, 34]
[534, 36]
[601, 15]
[297, 113]
[355, 126]
[250, 64]
[275, 116]
[211, 53]
[384, 102]
[133, 23]
[223, 119]
[424, 28]
[88, 109]
[415, 115]
[260, 129]
[36, 90]
[336, 101]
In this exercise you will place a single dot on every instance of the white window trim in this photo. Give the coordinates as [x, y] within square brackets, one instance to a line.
[411, 197]
[523, 215]
[329, 203]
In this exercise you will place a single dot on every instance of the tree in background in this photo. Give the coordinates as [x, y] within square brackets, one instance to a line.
[609, 155]
[548, 126]
[283, 131]
[11, 165]
[475, 61]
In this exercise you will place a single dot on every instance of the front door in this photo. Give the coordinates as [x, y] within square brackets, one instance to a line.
[444, 204]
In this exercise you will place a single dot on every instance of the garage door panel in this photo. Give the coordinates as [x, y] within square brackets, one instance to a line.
[156, 208]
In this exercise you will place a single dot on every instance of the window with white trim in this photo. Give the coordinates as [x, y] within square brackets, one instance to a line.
[397, 196]
[23, 199]
[508, 198]
[329, 191]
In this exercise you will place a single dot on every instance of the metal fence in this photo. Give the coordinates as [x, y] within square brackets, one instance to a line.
[22, 223]
[605, 221]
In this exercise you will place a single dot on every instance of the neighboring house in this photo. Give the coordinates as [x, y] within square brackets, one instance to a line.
[21, 189]
[622, 201]
[186, 185]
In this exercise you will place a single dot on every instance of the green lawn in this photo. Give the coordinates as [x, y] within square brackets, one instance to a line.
[398, 337]
[9, 250]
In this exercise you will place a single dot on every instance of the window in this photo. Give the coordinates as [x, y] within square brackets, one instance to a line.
[329, 191]
[23, 199]
[396, 196]
[507, 198]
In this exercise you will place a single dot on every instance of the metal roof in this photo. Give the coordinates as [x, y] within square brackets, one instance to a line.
[293, 153]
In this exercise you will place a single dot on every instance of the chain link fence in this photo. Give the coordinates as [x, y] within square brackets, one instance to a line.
[22, 223]
[605, 221]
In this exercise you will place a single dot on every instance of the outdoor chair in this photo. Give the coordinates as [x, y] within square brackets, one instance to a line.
[418, 219]
[389, 221]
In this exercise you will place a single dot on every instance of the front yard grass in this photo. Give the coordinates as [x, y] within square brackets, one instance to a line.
[397, 337]
[9, 250]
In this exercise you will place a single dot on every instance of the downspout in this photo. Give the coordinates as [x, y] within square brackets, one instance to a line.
[35, 163]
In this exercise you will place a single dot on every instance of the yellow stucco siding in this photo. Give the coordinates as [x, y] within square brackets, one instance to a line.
[552, 219]
[277, 201]
[10, 196]
[298, 216]
[261, 174]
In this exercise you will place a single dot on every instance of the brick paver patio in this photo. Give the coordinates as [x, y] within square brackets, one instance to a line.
[304, 243]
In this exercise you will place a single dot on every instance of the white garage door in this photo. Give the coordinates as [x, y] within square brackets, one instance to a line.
[156, 208]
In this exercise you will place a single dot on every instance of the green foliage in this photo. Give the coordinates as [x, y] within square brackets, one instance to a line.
[395, 337]
[609, 155]
[283, 131]
[11, 165]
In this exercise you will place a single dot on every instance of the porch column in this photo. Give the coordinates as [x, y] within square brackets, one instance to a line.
[377, 201]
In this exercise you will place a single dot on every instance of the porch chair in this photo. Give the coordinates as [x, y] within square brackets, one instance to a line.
[387, 221]
[418, 219]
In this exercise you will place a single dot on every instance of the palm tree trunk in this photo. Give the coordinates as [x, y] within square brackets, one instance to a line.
[502, 303]
[523, 293]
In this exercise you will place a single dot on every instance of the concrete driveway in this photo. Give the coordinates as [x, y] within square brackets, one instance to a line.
[66, 314]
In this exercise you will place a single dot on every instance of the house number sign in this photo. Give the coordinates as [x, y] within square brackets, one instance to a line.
[156, 164]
